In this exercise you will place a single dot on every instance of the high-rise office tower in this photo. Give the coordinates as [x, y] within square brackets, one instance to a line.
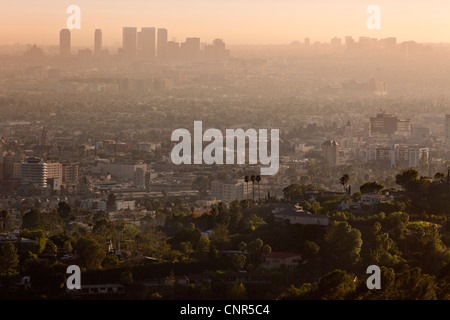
[330, 152]
[147, 43]
[217, 50]
[34, 173]
[162, 43]
[383, 123]
[64, 42]
[97, 41]
[191, 48]
[129, 42]
[173, 50]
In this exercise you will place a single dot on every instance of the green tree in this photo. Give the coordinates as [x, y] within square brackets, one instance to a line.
[266, 249]
[213, 253]
[306, 291]
[371, 187]
[220, 235]
[38, 236]
[343, 242]
[356, 196]
[31, 220]
[102, 227]
[386, 252]
[336, 285]
[9, 259]
[67, 247]
[407, 179]
[111, 202]
[376, 227]
[50, 247]
[254, 249]
[253, 179]
[100, 214]
[315, 207]
[110, 261]
[237, 291]
[126, 277]
[235, 214]
[408, 284]
[3, 218]
[242, 246]
[293, 193]
[203, 244]
[186, 248]
[201, 183]
[247, 179]
[91, 252]
[344, 180]
[310, 249]
[258, 180]
[65, 212]
[238, 260]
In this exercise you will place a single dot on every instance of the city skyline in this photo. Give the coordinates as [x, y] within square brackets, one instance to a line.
[239, 23]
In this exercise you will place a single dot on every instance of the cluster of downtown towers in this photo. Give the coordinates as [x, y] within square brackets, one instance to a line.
[133, 42]
[147, 44]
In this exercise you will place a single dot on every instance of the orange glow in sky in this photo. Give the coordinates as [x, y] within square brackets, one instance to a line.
[235, 21]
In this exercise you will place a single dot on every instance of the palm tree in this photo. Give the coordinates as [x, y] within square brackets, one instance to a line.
[258, 179]
[247, 179]
[252, 179]
[344, 179]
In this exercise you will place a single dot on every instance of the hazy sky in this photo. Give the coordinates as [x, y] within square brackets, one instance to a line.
[235, 21]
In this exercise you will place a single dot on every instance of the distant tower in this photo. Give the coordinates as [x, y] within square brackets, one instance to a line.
[162, 43]
[44, 137]
[347, 141]
[129, 42]
[147, 43]
[330, 152]
[348, 130]
[98, 41]
[64, 42]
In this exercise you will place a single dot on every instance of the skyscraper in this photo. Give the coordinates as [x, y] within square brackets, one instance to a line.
[217, 50]
[129, 42]
[162, 43]
[34, 173]
[173, 50]
[383, 123]
[330, 152]
[191, 48]
[64, 42]
[97, 41]
[147, 43]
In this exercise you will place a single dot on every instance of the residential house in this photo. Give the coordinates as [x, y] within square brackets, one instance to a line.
[296, 215]
[372, 199]
[277, 259]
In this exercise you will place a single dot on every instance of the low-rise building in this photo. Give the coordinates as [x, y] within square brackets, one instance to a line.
[228, 190]
[273, 260]
[296, 215]
[371, 199]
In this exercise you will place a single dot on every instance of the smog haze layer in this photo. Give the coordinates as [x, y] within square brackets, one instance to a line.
[240, 22]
